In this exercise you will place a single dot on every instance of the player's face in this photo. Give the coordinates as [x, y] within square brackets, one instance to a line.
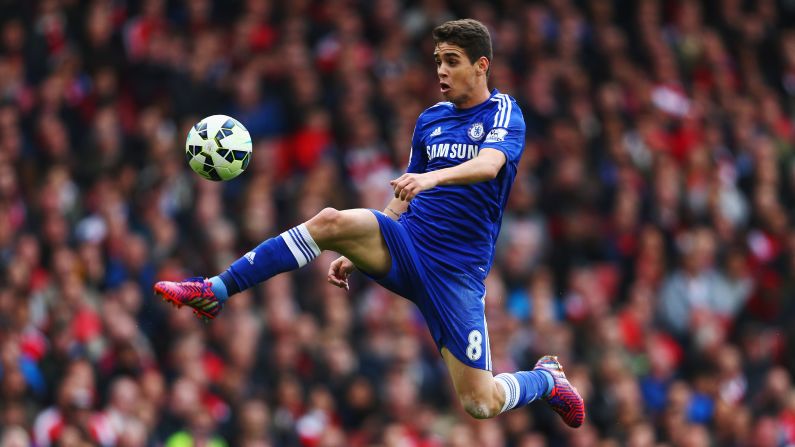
[458, 76]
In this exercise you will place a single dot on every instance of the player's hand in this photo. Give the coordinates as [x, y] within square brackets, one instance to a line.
[408, 185]
[339, 271]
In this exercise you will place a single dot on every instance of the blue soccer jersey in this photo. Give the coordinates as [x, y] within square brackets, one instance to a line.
[458, 225]
[443, 245]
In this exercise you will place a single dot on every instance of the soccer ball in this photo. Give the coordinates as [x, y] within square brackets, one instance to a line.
[218, 148]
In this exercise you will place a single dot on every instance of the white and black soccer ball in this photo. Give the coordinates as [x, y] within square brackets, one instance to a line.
[218, 148]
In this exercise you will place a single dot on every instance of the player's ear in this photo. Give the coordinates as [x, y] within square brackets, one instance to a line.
[483, 65]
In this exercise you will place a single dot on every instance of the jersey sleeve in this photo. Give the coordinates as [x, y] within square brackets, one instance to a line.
[418, 160]
[507, 130]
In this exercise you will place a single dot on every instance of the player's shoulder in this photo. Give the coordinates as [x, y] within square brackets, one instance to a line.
[505, 111]
[440, 108]
[503, 99]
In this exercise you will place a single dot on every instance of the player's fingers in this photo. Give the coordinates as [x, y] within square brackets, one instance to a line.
[343, 268]
[400, 187]
[341, 273]
[406, 184]
[335, 278]
[395, 181]
[340, 280]
[335, 269]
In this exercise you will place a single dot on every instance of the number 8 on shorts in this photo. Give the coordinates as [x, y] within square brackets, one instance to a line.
[475, 348]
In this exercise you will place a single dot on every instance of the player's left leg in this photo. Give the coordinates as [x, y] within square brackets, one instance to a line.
[484, 396]
[354, 233]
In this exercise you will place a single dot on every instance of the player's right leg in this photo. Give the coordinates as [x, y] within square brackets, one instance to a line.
[454, 308]
[484, 396]
[353, 233]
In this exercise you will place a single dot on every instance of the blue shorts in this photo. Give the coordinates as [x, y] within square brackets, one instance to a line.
[452, 301]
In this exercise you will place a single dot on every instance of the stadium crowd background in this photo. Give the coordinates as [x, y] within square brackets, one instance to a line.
[648, 242]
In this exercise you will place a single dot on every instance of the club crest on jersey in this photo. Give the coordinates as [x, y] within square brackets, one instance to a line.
[475, 131]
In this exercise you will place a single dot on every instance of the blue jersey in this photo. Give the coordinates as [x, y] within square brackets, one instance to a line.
[458, 225]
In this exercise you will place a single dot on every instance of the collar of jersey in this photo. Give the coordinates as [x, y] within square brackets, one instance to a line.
[476, 107]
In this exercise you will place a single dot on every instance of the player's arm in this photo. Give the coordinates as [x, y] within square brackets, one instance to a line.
[342, 267]
[486, 166]
[395, 208]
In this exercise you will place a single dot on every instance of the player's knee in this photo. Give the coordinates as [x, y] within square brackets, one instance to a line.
[327, 223]
[479, 407]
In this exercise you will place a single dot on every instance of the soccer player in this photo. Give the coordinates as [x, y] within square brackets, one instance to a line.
[434, 242]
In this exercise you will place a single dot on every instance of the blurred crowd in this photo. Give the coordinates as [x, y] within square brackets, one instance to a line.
[648, 242]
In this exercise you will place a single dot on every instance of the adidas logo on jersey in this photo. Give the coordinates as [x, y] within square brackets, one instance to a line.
[250, 257]
[436, 132]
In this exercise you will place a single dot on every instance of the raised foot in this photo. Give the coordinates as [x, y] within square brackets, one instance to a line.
[195, 292]
[564, 398]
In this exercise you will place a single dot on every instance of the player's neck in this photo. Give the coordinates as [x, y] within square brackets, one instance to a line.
[480, 96]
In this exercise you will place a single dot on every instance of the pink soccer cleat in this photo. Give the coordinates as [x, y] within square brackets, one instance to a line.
[564, 398]
[193, 292]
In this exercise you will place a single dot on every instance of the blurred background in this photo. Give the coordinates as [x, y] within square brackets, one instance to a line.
[648, 241]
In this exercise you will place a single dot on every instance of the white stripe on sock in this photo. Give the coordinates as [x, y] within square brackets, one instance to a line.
[505, 391]
[487, 345]
[301, 244]
[510, 387]
[518, 388]
[297, 253]
[308, 239]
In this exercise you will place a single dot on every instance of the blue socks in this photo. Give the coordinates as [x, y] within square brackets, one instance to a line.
[219, 288]
[523, 387]
[290, 250]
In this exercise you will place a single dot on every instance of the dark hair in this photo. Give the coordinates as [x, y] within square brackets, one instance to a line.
[469, 34]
